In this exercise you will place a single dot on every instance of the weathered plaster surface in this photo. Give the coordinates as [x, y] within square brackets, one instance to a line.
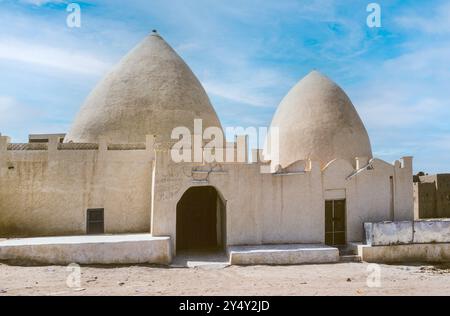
[406, 253]
[119, 249]
[432, 231]
[283, 254]
[325, 153]
[407, 232]
[389, 233]
[150, 92]
[47, 193]
[280, 208]
[316, 120]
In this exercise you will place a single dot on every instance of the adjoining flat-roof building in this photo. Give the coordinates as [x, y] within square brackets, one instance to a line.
[432, 196]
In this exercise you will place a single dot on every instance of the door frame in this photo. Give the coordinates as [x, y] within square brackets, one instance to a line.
[220, 214]
[333, 222]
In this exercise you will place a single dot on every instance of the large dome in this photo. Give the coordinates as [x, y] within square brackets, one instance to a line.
[317, 121]
[150, 92]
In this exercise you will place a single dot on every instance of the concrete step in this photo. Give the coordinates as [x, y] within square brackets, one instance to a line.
[208, 260]
[287, 254]
[347, 250]
[350, 258]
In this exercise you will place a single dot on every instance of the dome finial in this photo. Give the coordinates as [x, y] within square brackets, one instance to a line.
[155, 32]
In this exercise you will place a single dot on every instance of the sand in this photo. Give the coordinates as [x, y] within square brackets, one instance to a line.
[332, 279]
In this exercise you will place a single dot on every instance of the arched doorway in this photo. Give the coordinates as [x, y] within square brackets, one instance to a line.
[201, 221]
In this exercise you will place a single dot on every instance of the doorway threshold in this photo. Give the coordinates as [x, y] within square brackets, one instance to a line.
[201, 259]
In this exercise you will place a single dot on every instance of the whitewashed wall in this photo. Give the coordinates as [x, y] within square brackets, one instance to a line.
[46, 193]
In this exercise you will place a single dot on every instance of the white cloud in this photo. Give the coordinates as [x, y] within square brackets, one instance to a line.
[427, 60]
[47, 56]
[12, 112]
[437, 23]
[236, 93]
[408, 91]
[250, 86]
[387, 111]
[6, 104]
[42, 2]
[405, 102]
[18, 119]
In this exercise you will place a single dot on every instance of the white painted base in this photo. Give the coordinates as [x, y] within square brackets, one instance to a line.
[282, 254]
[114, 249]
[433, 253]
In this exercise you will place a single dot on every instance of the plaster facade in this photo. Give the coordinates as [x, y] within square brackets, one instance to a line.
[47, 193]
[117, 157]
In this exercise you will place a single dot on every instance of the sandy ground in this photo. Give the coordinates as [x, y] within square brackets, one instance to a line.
[334, 279]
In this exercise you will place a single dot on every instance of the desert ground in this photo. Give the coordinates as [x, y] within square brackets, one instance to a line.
[328, 279]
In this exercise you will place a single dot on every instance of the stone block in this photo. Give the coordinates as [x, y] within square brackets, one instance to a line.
[389, 233]
[282, 254]
[432, 231]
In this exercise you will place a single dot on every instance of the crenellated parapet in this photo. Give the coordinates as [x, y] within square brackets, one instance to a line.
[54, 144]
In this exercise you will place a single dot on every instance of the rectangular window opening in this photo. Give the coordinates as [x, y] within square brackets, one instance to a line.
[95, 221]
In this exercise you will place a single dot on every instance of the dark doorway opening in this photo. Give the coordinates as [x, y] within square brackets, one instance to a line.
[335, 223]
[95, 221]
[201, 221]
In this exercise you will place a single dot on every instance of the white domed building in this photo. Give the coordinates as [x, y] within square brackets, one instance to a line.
[315, 185]
[317, 121]
[150, 92]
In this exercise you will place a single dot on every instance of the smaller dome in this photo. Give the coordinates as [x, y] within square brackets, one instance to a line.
[317, 121]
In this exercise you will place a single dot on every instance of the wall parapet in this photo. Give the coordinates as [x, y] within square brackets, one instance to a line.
[77, 146]
[137, 146]
[407, 232]
[54, 149]
[70, 146]
[28, 146]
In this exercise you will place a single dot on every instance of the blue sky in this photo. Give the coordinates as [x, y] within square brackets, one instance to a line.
[247, 54]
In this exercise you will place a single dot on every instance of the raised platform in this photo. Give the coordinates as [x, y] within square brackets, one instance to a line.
[105, 249]
[434, 231]
[432, 253]
[282, 254]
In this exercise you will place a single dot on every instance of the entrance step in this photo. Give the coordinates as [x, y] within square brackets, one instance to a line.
[201, 260]
[347, 250]
[286, 254]
[350, 258]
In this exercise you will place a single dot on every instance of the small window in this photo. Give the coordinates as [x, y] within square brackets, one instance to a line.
[95, 221]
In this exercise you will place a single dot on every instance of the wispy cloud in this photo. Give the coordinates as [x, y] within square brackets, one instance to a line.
[435, 22]
[249, 86]
[405, 103]
[248, 54]
[6, 104]
[15, 113]
[54, 57]
[42, 2]
[389, 111]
